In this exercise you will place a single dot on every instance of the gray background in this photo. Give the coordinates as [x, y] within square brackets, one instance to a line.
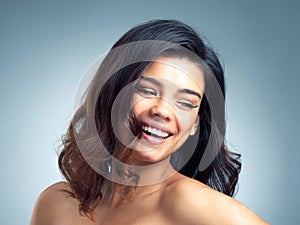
[46, 46]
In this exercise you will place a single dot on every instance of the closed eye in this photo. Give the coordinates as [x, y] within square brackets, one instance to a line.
[187, 104]
[146, 92]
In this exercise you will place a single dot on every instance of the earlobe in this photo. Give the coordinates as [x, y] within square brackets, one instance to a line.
[195, 126]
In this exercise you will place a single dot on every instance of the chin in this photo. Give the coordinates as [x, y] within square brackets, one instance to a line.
[148, 157]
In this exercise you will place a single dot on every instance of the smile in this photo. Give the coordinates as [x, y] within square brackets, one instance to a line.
[155, 132]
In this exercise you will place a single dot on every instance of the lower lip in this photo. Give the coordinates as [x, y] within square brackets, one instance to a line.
[152, 140]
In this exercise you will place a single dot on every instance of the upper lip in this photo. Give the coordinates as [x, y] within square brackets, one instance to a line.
[157, 126]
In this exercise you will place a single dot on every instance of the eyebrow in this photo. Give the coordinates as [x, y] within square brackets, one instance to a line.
[183, 91]
[152, 80]
[189, 91]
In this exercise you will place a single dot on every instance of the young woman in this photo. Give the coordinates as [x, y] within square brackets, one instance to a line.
[147, 144]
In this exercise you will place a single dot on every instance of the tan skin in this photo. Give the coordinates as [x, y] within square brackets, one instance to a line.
[177, 199]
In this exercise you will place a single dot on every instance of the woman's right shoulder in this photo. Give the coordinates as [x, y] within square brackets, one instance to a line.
[56, 190]
[55, 205]
[58, 193]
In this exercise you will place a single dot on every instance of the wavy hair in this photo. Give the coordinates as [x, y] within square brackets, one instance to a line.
[85, 182]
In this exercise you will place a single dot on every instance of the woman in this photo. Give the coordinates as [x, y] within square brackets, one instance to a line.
[147, 144]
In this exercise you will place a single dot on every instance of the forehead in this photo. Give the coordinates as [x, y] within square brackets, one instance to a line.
[179, 71]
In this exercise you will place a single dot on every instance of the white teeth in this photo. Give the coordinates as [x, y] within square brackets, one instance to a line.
[155, 131]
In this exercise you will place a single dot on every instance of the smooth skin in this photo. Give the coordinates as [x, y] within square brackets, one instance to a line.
[177, 200]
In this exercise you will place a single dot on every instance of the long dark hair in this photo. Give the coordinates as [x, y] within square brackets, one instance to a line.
[86, 183]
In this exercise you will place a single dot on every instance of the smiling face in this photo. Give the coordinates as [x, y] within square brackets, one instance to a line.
[166, 102]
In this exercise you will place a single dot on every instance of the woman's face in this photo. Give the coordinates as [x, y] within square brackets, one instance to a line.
[166, 102]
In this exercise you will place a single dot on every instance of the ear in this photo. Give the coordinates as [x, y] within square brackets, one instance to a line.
[195, 126]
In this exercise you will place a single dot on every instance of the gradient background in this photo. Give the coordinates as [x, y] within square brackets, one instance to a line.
[45, 48]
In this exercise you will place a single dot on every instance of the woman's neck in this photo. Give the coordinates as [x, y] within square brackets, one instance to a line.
[151, 179]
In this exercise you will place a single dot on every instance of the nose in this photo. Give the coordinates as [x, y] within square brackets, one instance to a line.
[163, 109]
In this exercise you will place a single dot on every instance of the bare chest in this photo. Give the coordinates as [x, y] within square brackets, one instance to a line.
[145, 213]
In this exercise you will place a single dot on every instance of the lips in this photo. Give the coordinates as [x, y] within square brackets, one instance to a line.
[155, 132]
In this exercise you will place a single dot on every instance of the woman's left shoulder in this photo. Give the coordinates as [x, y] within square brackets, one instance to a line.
[184, 190]
[194, 202]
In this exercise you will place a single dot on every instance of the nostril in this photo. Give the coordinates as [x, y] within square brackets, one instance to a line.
[162, 111]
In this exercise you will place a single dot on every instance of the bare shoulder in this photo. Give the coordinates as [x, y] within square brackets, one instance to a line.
[55, 206]
[58, 191]
[192, 202]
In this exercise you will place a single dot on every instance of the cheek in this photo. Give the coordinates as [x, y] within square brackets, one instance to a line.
[138, 104]
[187, 120]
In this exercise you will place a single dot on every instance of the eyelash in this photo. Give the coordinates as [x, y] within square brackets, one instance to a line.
[146, 91]
[150, 93]
[188, 105]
